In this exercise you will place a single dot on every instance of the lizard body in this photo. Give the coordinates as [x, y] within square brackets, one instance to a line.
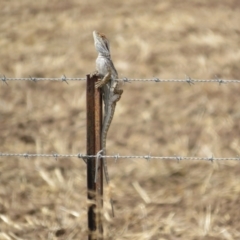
[110, 89]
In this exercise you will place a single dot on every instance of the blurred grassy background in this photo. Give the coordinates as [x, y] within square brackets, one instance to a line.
[46, 199]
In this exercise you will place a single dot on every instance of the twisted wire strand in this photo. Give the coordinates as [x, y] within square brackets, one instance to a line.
[188, 80]
[33, 79]
[118, 156]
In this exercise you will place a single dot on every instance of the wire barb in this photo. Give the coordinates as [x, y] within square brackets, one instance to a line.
[116, 157]
[178, 159]
[125, 79]
[220, 81]
[33, 79]
[4, 79]
[147, 157]
[55, 155]
[189, 80]
[211, 159]
[64, 79]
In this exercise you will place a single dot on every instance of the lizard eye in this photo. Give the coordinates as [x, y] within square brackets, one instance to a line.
[102, 35]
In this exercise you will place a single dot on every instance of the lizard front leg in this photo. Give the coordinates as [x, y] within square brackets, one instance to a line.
[103, 81]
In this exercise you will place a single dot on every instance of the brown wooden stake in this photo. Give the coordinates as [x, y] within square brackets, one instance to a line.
[95, 189]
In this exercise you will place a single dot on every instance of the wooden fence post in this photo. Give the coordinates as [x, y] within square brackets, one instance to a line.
[95, 188]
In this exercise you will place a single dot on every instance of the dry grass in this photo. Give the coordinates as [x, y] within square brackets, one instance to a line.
[46, 199]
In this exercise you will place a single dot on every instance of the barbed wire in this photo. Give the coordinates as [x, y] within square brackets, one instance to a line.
[35, 79]
[117, 156]
[188, 80]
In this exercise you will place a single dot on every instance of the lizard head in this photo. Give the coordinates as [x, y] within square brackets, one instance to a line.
[101, 43]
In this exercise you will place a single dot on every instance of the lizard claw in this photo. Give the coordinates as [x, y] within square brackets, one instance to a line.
[99, 84]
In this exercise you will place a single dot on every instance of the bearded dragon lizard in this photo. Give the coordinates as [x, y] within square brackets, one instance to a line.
[110, 89]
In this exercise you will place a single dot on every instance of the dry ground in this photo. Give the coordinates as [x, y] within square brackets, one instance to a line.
[45, 198]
